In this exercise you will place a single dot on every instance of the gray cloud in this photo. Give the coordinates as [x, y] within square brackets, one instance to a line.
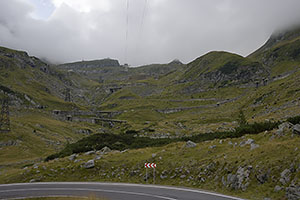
[171, 29]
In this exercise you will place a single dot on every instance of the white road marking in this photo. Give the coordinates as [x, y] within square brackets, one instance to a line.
[51, 196]
[128, 184]
[90, 190]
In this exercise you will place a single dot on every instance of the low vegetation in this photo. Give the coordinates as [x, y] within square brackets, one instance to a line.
[129, 139]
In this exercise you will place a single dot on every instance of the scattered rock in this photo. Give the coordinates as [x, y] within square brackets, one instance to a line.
[296, 129]
[32, 180]
[98, 157]
[249, 141]
[262, 177]
[72, 157]
[285, 125]
[173, 176]
[285, 176]
[182, 176]
[163, 176]
[293, 192]
[242, 143]
[8, 143]
[254, 146]
[77, 160]
[105, 150]
[89, 164]
[153, 155]
[282, 128]
[277, 188]
[84, 131]
[213, 147]
[240, 180]
[89, 153]
[190, 144]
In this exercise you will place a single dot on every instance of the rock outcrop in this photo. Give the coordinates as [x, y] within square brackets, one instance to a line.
[89, 164]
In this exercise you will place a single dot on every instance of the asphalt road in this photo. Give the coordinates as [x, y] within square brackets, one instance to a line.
[110, 191]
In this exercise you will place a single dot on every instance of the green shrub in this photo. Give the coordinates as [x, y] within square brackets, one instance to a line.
[294, 120]
[128, 141]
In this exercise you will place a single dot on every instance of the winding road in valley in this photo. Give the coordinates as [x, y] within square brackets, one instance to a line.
[109, 191]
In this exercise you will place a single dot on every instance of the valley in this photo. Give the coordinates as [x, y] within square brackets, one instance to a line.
[240, 115]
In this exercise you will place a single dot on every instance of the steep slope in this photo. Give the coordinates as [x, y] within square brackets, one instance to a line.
[34, 89]
[281, 53]
[223, 68]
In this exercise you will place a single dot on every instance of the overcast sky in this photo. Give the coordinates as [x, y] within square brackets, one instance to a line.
[158, 31]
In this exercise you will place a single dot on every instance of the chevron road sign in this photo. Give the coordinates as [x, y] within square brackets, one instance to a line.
[150, 165]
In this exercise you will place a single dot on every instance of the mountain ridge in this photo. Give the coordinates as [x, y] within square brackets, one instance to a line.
[53, 107]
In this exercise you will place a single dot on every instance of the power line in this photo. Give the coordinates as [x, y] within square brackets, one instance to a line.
[126, 37]
[141, 25]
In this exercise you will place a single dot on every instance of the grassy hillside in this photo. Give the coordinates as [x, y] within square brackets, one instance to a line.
[206, 166]
[206, 98]
[281, 53]
[34, 90]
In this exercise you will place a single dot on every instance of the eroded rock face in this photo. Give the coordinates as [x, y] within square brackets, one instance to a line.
[240, 180]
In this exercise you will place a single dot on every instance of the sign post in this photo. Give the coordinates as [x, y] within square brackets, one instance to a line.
[146, 175]
[150, 165]
[154, 176]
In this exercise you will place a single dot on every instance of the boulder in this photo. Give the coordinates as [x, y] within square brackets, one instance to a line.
[277, 188]
[232, 181]
[89, 164]
[262, 177]
[293, 192]
[285, 176]
[240, 180]
[296, 129]
[98, 157]
[163, 176]
[254, 146]
[105, 149]
[182, 176]
[285, 125]
[90, 153]
[72, 157]
[190, 144]
[249, 141]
